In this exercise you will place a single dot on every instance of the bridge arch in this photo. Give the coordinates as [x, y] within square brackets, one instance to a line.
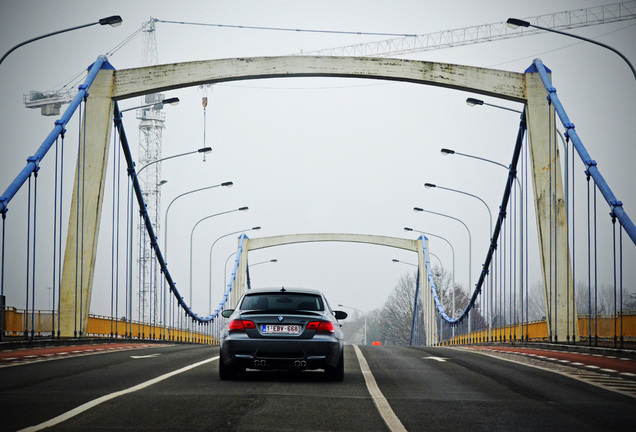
[417, 246]
[111, 85]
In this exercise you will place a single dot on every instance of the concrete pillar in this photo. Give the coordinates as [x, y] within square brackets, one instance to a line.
[551, 219]
[85, 216]
[428, 302]
[238, 287]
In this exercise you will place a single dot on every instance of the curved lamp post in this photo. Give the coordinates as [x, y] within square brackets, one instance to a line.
[165, 234]
[447, 152]
[265, 262]
[192, 237]
[112, 21]
[470, 247]
[365, 319]
[228, 259]
[165, 218]
[212, 247]
[157, 105]
[472, 102]
[431, 185]
[204, 150]
[515, 23]
[419, 209]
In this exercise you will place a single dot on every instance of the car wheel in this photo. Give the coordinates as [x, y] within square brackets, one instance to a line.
[336, 373]
[227, 372]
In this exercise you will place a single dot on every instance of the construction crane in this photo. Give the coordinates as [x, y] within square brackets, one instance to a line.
[484, 33]
[151, 125]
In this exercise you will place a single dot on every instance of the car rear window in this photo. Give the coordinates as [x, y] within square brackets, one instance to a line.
[282, 301]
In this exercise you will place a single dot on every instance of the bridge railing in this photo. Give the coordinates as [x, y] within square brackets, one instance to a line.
[98, 327]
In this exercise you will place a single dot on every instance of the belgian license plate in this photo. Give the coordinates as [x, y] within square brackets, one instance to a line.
[280, 329]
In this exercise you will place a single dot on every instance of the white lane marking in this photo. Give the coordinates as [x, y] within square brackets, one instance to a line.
[91, 404]
[439, 359]
[379, 400]
[146, 356]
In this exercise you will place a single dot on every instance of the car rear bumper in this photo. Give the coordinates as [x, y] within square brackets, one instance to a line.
[285, 353]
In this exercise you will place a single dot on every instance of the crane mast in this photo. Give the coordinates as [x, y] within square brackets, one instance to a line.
[151, 125]
[484, 33]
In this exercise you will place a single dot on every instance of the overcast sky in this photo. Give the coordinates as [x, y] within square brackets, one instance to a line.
[316, 155]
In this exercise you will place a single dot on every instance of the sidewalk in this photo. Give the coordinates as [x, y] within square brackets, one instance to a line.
[616, 362]
[20, 353]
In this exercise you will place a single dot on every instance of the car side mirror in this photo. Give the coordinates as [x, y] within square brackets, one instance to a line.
[227, 312]
[340, 315]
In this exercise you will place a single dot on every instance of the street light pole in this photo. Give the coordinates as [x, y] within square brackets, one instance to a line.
[446, 152]
[212, 247]
[472, 102]
[192, 237]
[204, 150]
[112, 21]
[515, 23]
[431, 185]
[165, 237]
[156, 105]
[365, 320]
[470, 247]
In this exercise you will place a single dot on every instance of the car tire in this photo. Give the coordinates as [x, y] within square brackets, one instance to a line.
[336, 373]
[227, 372]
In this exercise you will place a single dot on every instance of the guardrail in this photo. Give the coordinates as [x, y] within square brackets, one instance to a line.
[609, 328]
[15, 321]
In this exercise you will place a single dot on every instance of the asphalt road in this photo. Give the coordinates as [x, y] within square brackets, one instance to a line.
[427, 389]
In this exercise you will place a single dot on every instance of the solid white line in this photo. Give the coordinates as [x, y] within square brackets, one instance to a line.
[88, 405]
[380, 401]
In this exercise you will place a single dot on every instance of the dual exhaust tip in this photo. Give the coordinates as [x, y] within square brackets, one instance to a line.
[297, 363]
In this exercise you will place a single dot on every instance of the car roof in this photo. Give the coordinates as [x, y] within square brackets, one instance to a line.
[279, 290]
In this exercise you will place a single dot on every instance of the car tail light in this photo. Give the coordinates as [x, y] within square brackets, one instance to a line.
[238, 325]
[321, 326]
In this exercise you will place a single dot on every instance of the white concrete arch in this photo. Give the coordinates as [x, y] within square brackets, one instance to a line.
[238, 287]
[111, 85]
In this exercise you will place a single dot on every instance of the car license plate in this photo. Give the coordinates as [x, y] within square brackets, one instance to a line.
[280, 329]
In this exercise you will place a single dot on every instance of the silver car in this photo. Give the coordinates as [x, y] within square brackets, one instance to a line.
[293, 329]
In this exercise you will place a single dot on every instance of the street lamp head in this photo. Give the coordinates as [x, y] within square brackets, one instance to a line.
[446, 152]
[112, 21]
[205, 150]
[513, 23]
[408, 229]
[227, 184]
[429, 185]
[256, 228]
[395, 260]
[273, 260]
[418, 209]
[171, 101]
[472, 102]
[162, 182]
[243, 208]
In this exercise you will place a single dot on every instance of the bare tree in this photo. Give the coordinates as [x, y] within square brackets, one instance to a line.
[391, 324]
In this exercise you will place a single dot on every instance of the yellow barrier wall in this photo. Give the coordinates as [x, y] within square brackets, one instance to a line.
[99, 327]
[538, 330]
[103, 327]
